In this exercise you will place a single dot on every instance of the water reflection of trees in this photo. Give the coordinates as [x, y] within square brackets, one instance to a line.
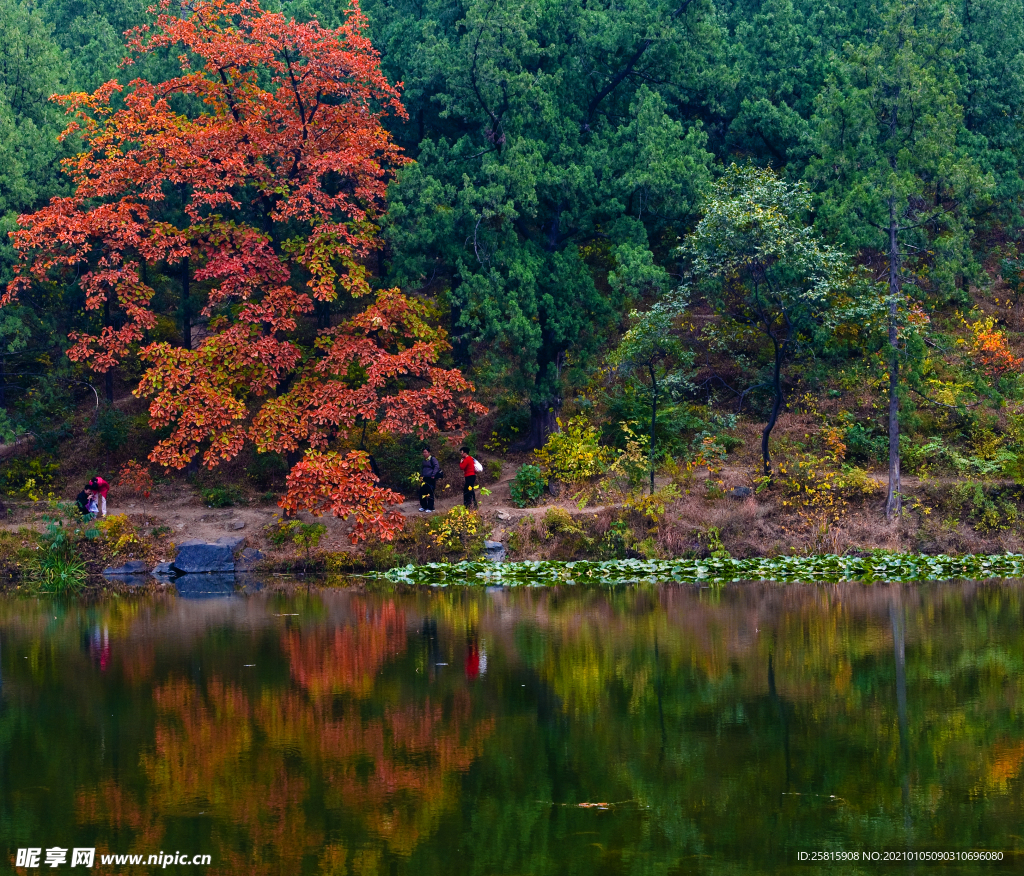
[734, 727]
[345, 658]
[284, 767]
[760, 717]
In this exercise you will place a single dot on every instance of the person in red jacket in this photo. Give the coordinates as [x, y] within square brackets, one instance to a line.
[100, 487]
[468, 466]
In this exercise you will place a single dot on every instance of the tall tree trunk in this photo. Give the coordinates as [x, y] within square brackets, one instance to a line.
[780, 710]
[547, 398]
[323, 314]
[776, 410]
[543, 421]
[186, 312]
[894, 498]
[654, 420]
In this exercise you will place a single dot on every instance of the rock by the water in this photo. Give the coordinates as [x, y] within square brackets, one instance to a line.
[494, 551]
[163, 570]
[132, 567]
[235, 524]
[195, 557]
[205, 586]
[740, 493]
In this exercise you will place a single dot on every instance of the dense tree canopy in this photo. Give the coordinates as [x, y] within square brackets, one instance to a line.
[893, 172]
[559, 154]
[550, 173]
[765, 268]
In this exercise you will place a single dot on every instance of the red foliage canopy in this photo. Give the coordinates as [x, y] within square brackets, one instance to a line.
[271, 139]
[990, 350]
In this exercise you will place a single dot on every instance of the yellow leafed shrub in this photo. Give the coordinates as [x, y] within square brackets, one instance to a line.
[819, 492]
[574, 455]
[456, 530]
[119, 532]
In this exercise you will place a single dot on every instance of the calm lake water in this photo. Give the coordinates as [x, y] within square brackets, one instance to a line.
[475, 732]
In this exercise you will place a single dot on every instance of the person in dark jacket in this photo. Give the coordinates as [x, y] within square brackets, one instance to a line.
[82, 501]
[430, 471]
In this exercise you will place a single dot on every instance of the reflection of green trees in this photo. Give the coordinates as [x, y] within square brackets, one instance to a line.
[666, 701]
[732, 729]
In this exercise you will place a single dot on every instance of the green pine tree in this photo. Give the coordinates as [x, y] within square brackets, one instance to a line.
[551, 176]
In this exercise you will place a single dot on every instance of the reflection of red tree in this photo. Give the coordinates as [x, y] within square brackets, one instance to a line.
[400, 772]
[204, 760]
[418, 753]
[249, 762]
[1004, 759]
[346, 659]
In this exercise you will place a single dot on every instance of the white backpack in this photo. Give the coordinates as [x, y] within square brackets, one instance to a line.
[477, 467]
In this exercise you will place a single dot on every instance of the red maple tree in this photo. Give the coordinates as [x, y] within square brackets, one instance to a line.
[270, 145]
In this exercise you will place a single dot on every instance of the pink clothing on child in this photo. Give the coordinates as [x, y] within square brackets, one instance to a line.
[100, 487]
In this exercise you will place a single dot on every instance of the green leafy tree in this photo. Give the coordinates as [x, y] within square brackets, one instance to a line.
[991, 71]
[551, 173]
[650, 354]
[92, 34]
[33, 68]
[781, 54]
[765, 268]
[895, 180]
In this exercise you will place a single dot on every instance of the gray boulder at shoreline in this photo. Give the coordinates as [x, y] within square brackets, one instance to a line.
[196, 557]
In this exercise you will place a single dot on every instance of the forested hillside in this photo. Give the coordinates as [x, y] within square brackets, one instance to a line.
[764, 244]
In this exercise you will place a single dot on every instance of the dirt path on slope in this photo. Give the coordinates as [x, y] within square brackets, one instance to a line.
[180, 508]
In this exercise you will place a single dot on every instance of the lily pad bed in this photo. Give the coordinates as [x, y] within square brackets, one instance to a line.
[823, 568]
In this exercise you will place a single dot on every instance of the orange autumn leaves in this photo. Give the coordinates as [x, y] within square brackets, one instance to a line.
[989, 350]
[268, 189]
